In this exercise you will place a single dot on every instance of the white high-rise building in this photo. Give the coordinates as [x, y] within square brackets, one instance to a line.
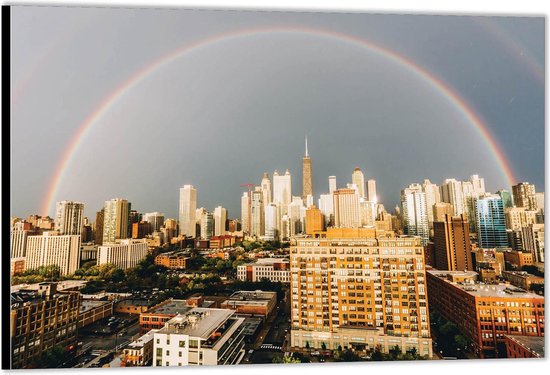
[346, 208]
[282, 188]
[188, 205]
[358, 179]
[257, 216]
[52, 249]
[539, 199]
[414, 212]
[368, 212]
[125, 254]
[266, 189]
[296, 216]
[451, 192]
[220, 217]
[68, 217]
[19, 239]
[116, 219]
[533, 241]
[271, 222]
[245, 212]
[371, 191]
[432, 197]
[326, 205]
[331, 184]
[478, 185]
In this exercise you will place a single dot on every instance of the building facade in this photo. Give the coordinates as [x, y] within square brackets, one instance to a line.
[40, 321]
[414, 212]
[272, 269]
[116, 220]
[348, 281]
[200, 337]
[52, 249]
[126, 254]
[187, 208]
[452, 245]
[491, 224]
[68, 217]
[486, 313]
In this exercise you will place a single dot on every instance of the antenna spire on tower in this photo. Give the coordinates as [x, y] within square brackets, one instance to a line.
[306, 148]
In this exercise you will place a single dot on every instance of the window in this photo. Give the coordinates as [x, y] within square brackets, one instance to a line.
[179, 354]
[168, 352]
[182, 344]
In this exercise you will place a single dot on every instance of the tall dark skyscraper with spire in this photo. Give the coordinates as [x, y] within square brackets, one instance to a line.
[307, 186]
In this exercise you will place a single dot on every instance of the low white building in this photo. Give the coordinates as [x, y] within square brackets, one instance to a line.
[272, 269]
[201, 336]
[124, 254]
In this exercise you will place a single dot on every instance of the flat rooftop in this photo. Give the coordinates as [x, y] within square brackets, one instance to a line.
[140, 342]
[87, 305]
[174, 307]
[485, 290]
[533, 343]
[197, 322]
[252, 295]
[61, 285]
[443, 273]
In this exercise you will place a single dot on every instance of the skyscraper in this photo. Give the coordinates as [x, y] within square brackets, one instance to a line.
[432, 197]
[220, 217]
[326, 205]
[271, 222]
[314, 220]
[415, 215]
[451, 192]
[346, 208]
[331, 184]
[524, 195]
[98, 227]
[533, 238]
[188, 206]
[156, 219]
[245, 212]
[68, 217]
[506, 197]
[257, 217]
[307, 186]
[116, 220]
[266, 189]
[453, 250]
[207, 225]
[358, 179]
[491, 223]
[282, 189]
[371, 191]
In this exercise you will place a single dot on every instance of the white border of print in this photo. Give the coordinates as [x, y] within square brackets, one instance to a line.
[493, 7]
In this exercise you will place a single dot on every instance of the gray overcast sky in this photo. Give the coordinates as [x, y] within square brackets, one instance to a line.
[225, 113]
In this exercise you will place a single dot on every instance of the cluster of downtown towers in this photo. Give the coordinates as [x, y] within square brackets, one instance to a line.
[270, 211]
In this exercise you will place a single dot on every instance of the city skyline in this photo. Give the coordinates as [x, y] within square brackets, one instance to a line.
[332, 77]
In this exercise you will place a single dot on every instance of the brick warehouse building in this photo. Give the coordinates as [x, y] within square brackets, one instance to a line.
[486, 313]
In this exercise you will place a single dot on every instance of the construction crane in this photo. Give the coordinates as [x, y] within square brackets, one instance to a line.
[249, 187]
